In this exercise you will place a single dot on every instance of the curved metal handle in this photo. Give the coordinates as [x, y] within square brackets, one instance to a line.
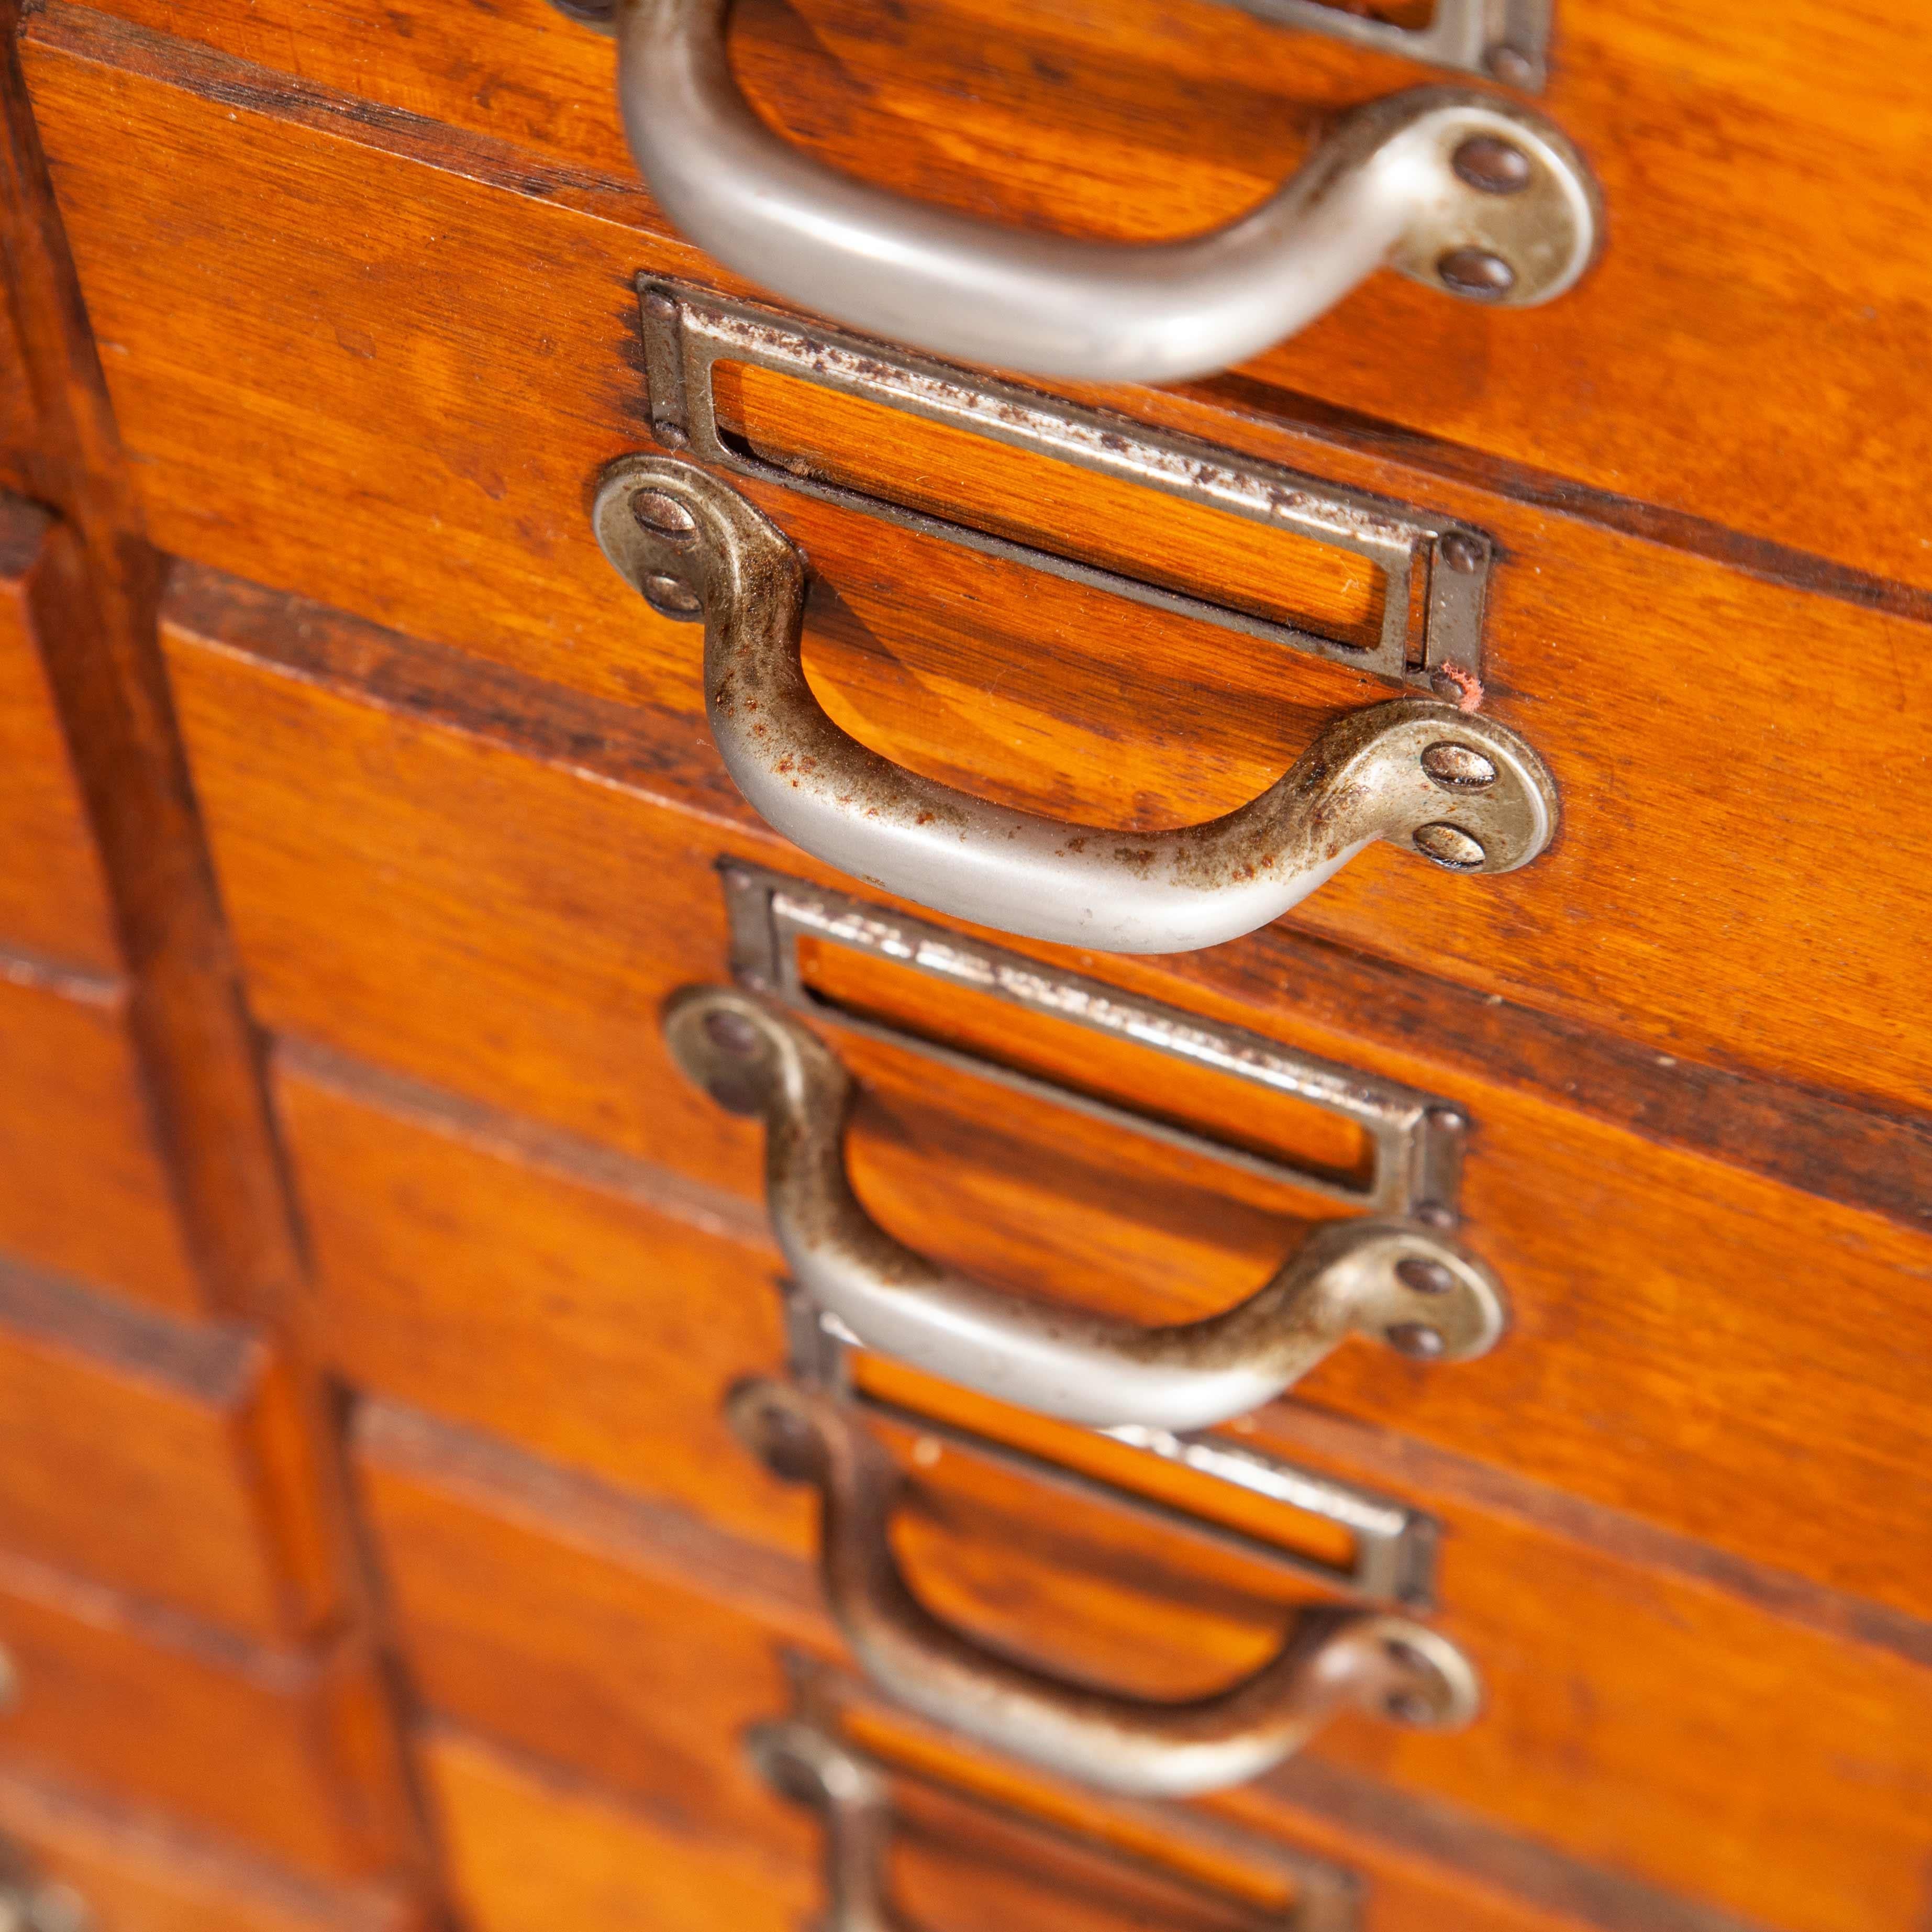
[1464, 190]
[1464, 791]
[1412, 1286]
[1332, 1659]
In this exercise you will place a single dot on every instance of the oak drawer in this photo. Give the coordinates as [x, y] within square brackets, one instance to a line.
[145, 1705]
[1661, 377]
[588, 1311]
[470, 911]
[152, 1456]
[507, 1574]
[1698, 719]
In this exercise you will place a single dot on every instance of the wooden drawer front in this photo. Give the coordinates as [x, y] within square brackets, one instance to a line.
[486, 921]
[594, 1774]
[1146, 119]
[136, 1874]
[149, 1706]
[587, 1320]
[83, 1190]
[457, 427]
[52, 900]
[145, 1454]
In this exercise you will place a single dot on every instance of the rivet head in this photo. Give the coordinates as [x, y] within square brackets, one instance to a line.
[1476, 273]
[663, 516]
[1459, 767]
[1410, 1704]
[1434, 1214]
[1463, 553]
[664, 307]
[1510, 65]
[671, 435]
[1416, 1340]
[1492, 166]
[1449, 1120]
[1421, 1276]
[1449, 846]
[670, 598]
[731, 1032]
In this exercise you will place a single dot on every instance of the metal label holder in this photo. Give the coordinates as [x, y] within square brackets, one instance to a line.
[1394, 1562]
[688, 330]
[1416, 1138]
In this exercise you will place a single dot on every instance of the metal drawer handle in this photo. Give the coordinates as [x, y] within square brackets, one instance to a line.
[1333, 1658]
[812, 1765]
[1466, 191]
[1463, 790]
[1415, 1287]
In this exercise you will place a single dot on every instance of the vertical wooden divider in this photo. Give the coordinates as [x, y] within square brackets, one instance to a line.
[97, 599]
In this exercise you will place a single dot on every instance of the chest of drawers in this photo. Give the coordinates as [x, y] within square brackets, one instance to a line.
[775, 1235]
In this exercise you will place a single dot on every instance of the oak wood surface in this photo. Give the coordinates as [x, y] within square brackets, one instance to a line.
[51, 898]
[495, 925]
[82, 1188]
[135, 1873]
[1693, 714]
[551, 1612]
[142, 1453]
[1752, 299]
[144, 1704]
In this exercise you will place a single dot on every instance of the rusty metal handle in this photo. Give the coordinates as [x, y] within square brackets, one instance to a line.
[1410, 1285]
[1332, 1659]
[1475, 195]
[1466, 792]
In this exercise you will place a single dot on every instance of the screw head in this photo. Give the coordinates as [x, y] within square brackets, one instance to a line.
[1416, 1340]
[1449, 846]
[670, 598]
[731, 1032]
[1491, 165]
[663, 516]
[1421, 1276]
[1476, 273]
[1463, 554]
[1459, 767]
[1510, 65]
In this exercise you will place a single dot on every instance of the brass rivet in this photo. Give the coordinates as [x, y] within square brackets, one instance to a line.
[663, 516]
[1449, 846]
[1421, 1276]
[1511, 65]
[1461, 552]
[669, 598]
[1459, 767]
[1416, 1340]
[1477, 273]
[1492, 166]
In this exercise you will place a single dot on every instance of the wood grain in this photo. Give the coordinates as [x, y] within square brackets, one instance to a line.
[533, 1600]
[167, 1435]
[255, 1745]
[1703, 348]
[82, 1188]
[474, 919]
[137, 1875]
[1701, 846]
[52, 900]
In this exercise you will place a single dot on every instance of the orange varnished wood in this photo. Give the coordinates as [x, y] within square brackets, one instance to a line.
[531, 1601]
[1688, 711]
[475, 919]
[267, 1747]
[1705, 346]
[51, 897]
[147, 1454]
[136, 1874]
[83, 1189]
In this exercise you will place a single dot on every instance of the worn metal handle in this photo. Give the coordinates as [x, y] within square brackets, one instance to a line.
[1332, 1659]
[1408, 1284]
[1464, 791]
[1466, 191]
[809, 1763]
